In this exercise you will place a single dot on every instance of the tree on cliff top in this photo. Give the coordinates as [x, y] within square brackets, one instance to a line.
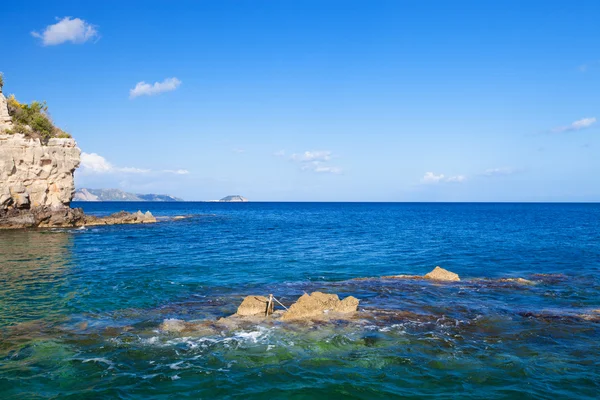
[33, 120]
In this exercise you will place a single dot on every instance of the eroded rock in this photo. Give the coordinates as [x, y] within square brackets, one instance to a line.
[253, 305]
[318, 305]
[120, 218]
[440, 274]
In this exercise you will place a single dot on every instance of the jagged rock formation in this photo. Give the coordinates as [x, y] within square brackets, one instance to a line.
[441, 274]
[36, 181]
[253, 305]
[318, 305]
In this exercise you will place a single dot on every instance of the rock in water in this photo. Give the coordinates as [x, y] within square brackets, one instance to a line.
[317, 305]
[253, 305]
[173, 325]
[440, 274]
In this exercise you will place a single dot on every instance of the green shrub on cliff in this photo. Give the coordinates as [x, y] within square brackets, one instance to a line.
[33, 120]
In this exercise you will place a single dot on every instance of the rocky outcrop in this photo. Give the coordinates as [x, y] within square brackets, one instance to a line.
[120, 218]
[36, 175]
[440, 274]
[36, 182]
[253, 305]
[37, 185]
[318, 305]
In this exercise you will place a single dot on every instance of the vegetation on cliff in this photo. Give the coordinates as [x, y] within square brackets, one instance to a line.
[33, 120]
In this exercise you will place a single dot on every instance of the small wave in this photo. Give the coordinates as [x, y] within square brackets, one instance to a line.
[98, 360]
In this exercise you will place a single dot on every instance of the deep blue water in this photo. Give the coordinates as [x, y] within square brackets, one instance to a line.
[80, 310]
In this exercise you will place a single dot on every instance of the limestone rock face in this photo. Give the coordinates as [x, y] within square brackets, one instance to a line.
[5, 119]
[440, 274]
[253, 305]
[317, 305]
[34, 175]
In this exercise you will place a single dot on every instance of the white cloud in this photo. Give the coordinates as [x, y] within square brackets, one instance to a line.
[431, 178]
[499, 171]
[238, 151]
[132, 170]
[146, 89]
[96, 164]
[280, 153]
[68, 29]
[457, 179]
[315, 161]
[576, 125]
[327, 169]
[307, 156]
[320, 167]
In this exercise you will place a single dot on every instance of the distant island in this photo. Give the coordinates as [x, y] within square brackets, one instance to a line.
[232, 199]
[119, 195]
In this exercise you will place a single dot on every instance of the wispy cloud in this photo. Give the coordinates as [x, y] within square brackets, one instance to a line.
[238, 151]
[316, 161]
[308, 156]
[146, 89]
[456, 179]
[68, 29]
[176, 171]
[499, 171]
[576, 125]
[431, 178]
[96, 164]
[320, 167]
[279, 153]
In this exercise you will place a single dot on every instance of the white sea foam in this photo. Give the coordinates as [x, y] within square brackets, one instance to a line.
[99, 360]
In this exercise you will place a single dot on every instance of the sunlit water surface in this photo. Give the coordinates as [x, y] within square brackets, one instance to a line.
[80, 309]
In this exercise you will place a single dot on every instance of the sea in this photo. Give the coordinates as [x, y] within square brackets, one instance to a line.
[81, 309]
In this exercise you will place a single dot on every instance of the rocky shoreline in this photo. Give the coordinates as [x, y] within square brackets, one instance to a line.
[44, 217]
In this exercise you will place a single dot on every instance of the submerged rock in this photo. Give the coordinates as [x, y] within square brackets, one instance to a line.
[173, 325]
[319, 304]
[200, 328]
[440, 274]
[521, 281]
[253, 305]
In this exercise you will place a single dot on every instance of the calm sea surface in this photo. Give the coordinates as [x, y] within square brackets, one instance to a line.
[80, 309]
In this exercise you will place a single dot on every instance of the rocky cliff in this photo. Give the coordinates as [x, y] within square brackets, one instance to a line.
[36, 175]
[36, 180]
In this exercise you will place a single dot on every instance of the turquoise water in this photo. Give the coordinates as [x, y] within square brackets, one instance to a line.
[80, 309]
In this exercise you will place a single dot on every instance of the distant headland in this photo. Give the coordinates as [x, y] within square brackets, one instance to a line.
[86, 194]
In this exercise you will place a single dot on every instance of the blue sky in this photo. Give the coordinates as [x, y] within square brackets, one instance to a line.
[319, 100]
